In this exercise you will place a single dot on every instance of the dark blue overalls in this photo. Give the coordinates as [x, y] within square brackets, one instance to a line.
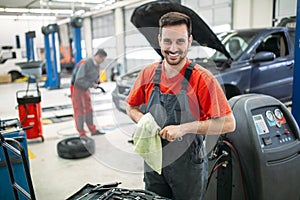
[184, 173]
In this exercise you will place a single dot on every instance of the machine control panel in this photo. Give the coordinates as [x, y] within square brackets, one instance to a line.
[271, 127]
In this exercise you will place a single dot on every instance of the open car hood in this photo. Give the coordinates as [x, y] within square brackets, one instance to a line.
[146, 19]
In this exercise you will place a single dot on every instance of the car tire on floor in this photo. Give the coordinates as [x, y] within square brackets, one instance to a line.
[76, 147]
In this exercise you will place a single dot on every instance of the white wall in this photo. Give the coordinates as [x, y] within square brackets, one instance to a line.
[261, 13]
[252, 13]
[11, 28]
[241, 14]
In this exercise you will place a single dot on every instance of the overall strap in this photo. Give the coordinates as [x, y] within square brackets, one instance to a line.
[157, 76]
[187, 76]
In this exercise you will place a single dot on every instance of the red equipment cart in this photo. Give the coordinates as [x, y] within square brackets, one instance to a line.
[30, 112]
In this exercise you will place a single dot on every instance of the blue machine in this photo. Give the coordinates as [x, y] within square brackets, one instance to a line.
[296, 85]
[52, 56]
[76, 23]
[17, 133]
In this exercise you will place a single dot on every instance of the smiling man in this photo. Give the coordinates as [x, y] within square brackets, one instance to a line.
[187, 103]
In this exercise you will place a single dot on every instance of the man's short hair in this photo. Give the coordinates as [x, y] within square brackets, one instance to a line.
[101, 52]
[175, 18]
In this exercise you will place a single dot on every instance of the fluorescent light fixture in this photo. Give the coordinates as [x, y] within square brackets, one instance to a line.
[37, 11]
[27, 17]
[58, 11]
[42, 11]
[78, 1]
[17, 10]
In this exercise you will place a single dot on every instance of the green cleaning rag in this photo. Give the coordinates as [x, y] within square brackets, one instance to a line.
[148, 143]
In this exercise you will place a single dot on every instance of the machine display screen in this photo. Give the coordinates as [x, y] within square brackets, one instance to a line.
[260, 124]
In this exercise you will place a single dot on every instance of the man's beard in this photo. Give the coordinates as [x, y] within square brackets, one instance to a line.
[180, 55]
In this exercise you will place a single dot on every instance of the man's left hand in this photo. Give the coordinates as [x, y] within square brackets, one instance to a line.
[95, 85]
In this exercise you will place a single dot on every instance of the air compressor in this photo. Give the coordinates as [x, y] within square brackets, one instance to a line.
[260, 160]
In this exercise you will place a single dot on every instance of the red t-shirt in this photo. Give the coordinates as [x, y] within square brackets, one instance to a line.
[206, 97]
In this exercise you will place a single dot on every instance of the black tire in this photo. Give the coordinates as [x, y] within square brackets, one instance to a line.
[76, 147]
[15, 75]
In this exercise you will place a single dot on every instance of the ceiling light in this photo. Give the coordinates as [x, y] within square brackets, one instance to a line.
[37, 11]
[42, 11]
[57, 11]
[27, 17]
[17, 10]
[78, 1]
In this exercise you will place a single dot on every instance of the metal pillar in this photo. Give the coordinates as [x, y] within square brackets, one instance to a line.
[76, 23]
[18, 44]
[52, 56]
[48, 60]
[77, 44]
[296, 84]
[30, 45]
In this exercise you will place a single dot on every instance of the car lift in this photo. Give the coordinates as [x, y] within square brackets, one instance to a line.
[52, 51]
[30, 45]
[76, 23]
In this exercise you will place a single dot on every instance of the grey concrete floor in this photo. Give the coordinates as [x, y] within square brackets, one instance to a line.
[57, 178]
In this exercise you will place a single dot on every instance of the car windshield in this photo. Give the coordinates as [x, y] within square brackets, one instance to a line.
[235, 43]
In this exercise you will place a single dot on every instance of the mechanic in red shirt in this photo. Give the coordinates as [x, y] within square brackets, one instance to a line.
[85, 76]
[187, 102]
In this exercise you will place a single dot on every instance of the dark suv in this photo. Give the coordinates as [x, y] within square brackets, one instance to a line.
[244, 61]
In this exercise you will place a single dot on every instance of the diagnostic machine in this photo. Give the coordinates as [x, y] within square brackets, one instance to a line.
[260, 160]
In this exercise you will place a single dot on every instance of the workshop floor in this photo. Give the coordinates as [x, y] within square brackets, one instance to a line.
[57, 178]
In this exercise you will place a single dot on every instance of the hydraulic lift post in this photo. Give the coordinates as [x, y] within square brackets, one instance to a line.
[296, 84]
[30, 35]
[76, 23]
[52, 51]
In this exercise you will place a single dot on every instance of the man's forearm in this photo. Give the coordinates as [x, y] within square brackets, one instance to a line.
[134, 113]
[212, 126]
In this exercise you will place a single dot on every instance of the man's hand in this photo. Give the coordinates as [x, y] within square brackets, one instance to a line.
[95, 85]
[171, 133]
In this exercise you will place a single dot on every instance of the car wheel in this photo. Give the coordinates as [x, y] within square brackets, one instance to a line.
[15, 75]
[76, 147]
